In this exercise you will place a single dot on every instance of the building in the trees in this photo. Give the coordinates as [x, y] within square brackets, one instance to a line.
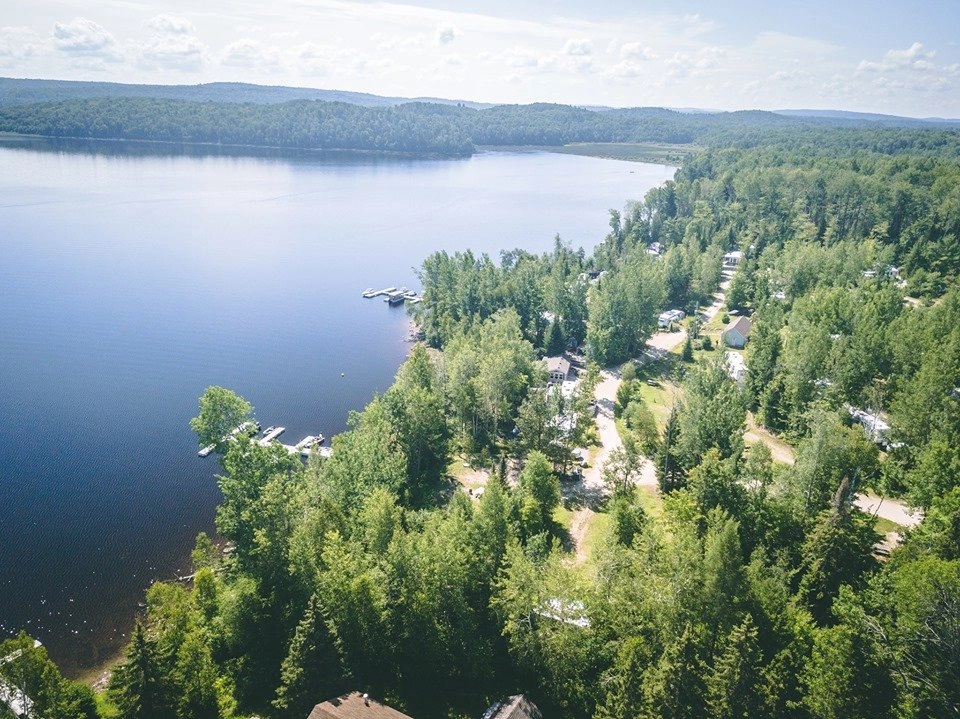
[559, 369]
[732, 259]
[515, 707]
[737, 334]
[355, 706]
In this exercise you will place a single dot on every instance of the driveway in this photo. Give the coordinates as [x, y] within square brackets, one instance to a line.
[891, 509]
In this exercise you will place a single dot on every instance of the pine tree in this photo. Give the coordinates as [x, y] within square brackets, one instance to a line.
[312, 669]
[734, 684]
[554, 340]
[136, 685]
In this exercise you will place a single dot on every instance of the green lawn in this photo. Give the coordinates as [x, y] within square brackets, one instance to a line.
[664, 154]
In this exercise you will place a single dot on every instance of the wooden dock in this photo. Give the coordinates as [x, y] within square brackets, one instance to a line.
[370, 293]
[271, 434]
[303, 448]
[250, 427]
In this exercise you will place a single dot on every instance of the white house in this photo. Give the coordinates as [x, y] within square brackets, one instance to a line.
[737, 334]
[732, 259]
[558, 369]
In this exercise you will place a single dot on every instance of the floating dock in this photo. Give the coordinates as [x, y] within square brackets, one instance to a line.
[308, 441]
[271, 434]
[250, 427]
[369, 293]
[303, 447]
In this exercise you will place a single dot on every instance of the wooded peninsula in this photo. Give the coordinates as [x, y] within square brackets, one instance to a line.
[477, 533]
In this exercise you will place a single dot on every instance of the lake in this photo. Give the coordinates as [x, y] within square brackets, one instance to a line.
[131, 280]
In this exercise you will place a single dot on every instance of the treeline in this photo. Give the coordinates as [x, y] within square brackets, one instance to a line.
[430, 128]
[299, 125]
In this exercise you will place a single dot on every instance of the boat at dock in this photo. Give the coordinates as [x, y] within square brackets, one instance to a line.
[308, 441]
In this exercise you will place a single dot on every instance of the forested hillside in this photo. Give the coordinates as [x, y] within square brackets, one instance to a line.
[735, 585]
[430, 128]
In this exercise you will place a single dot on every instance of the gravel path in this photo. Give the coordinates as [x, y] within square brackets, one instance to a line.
[891, 509]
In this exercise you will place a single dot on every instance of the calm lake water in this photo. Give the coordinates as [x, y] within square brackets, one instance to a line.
[130, 282]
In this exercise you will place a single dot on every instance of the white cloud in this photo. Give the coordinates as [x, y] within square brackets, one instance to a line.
[625, 69]
[398, 42]
[172, 46]
[18, 44]
[175, 52]
[913, 70]
[446, 33]
[84, 38]
[312, 59]
[252, 54]
[171, 25]
[914, 58]
[519, 57]
[578, 47]
[637, 51]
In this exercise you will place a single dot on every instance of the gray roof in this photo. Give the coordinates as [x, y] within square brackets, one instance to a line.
[354, 706]
[742, 325]
[558, 364]
[515, 707]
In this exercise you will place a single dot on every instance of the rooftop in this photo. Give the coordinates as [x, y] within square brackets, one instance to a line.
[742, 325]
[354, 706]
[515, 707]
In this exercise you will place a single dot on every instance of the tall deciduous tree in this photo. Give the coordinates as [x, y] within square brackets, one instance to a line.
[221, 412]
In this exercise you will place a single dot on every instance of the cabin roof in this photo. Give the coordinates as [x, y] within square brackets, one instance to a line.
[354, 706]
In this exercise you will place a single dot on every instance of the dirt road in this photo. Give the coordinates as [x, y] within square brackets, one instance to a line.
[891, 509]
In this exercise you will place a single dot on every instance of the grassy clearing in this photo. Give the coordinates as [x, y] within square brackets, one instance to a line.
[651, 501]
[885, 526]
[597, 532]
[663, 154]
[563, 516]
[659, 399]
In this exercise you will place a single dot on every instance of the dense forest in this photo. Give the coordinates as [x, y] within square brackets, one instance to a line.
[444, 129]
[740, 585]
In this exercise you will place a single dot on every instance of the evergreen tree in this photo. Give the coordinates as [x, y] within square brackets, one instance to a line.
[554, 341]
[735, 681]
[136, 685]
[313, 669]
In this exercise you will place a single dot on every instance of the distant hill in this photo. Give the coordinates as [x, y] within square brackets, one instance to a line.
[27, 91]
[872, 117]
[238, 114]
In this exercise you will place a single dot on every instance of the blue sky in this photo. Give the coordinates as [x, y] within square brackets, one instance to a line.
[889, 57]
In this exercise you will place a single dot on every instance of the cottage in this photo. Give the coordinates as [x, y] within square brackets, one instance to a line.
[732, 259]
[515, 707]
[559, 369]
[355, 706]
[737, 334]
